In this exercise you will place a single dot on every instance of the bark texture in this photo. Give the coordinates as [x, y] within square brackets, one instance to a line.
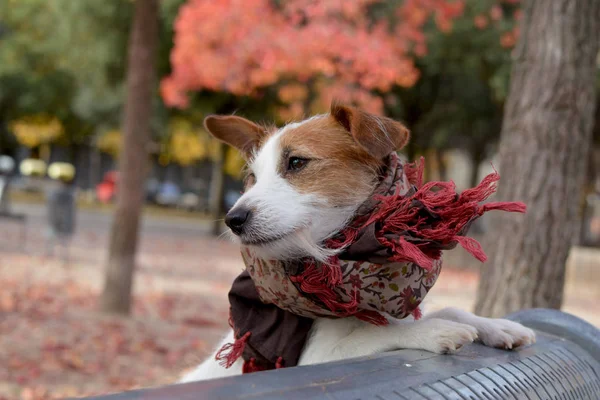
[133, 160]
[544, 145]
[543, 153]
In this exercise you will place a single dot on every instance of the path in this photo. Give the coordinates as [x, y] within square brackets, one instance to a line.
[54, 344]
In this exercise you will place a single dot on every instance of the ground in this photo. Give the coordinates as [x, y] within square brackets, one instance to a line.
[54, 343]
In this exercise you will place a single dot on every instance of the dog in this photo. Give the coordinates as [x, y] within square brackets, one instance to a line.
[304, 182]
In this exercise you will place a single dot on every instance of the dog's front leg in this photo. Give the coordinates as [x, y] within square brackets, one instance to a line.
[211, 369]
[336, 339]
[493, 332]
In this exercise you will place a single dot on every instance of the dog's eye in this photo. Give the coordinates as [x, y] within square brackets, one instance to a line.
[296, 163]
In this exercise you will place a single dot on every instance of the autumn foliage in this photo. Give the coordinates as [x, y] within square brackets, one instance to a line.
[313, 50]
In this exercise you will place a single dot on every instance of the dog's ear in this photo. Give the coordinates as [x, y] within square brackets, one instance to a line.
[379, 136]
[236, 131]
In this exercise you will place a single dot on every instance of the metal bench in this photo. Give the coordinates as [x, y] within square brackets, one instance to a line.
[563, 364]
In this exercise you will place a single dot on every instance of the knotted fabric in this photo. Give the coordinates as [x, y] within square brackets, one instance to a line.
[389, 258]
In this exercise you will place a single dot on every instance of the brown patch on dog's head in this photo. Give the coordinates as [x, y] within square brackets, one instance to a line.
[307, 179]
[341, 153]
[342, 163]
[244, 135]
[379, 136]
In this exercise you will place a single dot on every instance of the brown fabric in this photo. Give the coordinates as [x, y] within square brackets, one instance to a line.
[274, 332]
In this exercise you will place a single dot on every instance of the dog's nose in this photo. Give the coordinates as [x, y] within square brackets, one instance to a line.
[236, 218]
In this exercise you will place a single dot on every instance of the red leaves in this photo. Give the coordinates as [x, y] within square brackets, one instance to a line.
[8, 302]
[239, 46]
[72, 361]
[54, 344]
[33, 393]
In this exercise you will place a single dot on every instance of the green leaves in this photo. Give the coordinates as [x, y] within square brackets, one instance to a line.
[59, 58]
[464, 81]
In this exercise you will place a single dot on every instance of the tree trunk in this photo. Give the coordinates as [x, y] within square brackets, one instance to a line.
[543, 151]
[217, 189]
[133, 160]
[476, 159]
[441, 162]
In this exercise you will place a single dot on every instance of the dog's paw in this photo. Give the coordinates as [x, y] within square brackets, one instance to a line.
[448, 336]
[504, 334]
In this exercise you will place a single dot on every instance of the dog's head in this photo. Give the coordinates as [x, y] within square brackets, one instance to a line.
[305, 181]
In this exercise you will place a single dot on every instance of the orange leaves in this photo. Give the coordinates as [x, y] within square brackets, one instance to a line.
[8, 302]
[496, 13]
[509, 39]
[53, 343]
[172, 93]
[221, 45]
[480, 21]
[240, 47]
[33, 393]
[496, 18]
[414, 14]
[244, 46]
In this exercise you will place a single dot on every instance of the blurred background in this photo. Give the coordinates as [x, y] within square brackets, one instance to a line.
[101, 109]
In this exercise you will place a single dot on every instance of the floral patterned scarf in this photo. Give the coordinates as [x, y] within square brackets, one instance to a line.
[390, 257]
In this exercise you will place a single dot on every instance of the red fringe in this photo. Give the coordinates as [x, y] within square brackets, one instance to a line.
[414, 172]
[401, 214]
[473, 247]
[279, 363]
[485, 189]
[346, 238]
[506, 206]
[321, 283]
[332, 273]
[251, 366]
[405, 251]
[229, 353]
[416, 313]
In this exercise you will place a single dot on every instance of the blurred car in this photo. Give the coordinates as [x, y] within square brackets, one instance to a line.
[107, 189]
[191, 202]
[168, 194]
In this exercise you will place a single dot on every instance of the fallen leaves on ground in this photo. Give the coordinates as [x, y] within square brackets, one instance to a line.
[54, 343]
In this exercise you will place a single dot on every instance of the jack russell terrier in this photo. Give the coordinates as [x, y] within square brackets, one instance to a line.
[305, 182]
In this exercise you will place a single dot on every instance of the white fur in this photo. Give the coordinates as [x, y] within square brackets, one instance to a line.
[303, 221]
[442, 332]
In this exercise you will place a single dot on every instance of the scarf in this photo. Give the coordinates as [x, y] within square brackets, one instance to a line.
[389, 258]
